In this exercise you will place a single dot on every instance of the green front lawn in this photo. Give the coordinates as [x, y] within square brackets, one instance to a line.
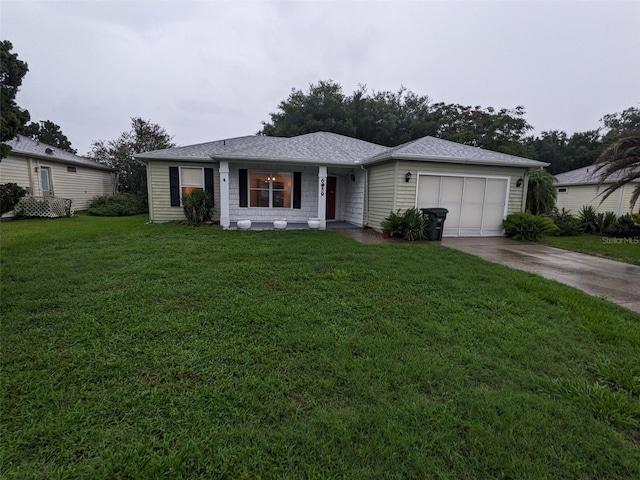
[165, 351]
[622, 249]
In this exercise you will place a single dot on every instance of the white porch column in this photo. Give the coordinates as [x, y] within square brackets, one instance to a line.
[225, 221]
[322, 197]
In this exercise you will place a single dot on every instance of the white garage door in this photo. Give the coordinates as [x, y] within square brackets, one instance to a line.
[477, 205]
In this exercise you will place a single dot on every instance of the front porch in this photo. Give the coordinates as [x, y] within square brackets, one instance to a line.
[263, 192]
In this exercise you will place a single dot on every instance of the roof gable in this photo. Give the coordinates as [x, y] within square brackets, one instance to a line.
[437, 149]
[25, 146]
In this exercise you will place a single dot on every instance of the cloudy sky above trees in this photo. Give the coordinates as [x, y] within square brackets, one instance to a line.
[206, 70]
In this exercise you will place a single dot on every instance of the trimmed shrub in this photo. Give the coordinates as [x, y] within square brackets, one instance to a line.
[198, 207]
[524, 226]
[568, 225]
[10, 194]
[119, 205]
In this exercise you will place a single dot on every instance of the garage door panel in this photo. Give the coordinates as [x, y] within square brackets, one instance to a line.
[474, 190]
[496, 191]
[471, 216]
[429, 191]
[451, 191]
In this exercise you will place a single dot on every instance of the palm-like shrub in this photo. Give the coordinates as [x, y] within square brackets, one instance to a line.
[588, 218]
[541, 193]
[198, 207]
[410, 225]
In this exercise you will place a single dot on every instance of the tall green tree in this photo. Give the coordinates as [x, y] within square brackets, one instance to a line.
[144, 136]
[48, 132]
[12, 117]
[322, 108]
[551, 147]
[616, 125]
[541, 192]
[620, 162]
[500, 130]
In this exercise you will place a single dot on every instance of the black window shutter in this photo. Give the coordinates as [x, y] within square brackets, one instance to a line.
[174, 186]
[208, 182]
[244, 197]
[297, 189]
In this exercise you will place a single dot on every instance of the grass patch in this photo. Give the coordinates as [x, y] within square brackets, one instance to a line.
[622, 249]
[146, 351]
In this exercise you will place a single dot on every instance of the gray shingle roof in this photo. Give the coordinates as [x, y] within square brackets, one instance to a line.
[437, 149]
[25, 146]
[585, 176]
[333, 149]
[319, 147]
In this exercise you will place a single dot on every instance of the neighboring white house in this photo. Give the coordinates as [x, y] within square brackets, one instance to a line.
[337, 178]
[47, 171]
[581, 187]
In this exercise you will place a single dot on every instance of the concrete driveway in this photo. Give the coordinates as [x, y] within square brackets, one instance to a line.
[616, 281]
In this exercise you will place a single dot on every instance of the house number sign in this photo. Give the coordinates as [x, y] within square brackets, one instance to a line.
[322, 187]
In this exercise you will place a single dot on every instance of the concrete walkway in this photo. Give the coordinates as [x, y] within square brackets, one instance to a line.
[616, 281]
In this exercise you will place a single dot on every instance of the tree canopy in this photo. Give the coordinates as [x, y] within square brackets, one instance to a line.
[144, 136]
[12, 117]
[48, 132]
[392, 118]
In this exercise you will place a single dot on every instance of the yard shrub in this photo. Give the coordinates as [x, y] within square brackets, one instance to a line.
[524, 226]
[410, 225]
[588, 219]
[624, 227]
[10, 194]
[606, 221]
[392, 224]
[119, 205]
[568, 225]
[198, 207]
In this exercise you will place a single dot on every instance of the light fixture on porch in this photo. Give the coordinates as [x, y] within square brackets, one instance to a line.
[519, 182]
[352, 177]
[407, 177]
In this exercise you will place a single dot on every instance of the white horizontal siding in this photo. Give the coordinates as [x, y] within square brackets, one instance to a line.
[80, 186]
[577, 196]
[381, 193]
[160, 209]
[14, 170]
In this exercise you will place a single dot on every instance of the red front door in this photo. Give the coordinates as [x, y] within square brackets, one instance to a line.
[331, 198]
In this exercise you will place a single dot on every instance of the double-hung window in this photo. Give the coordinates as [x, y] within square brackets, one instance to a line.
[191, 180]
[270, 189]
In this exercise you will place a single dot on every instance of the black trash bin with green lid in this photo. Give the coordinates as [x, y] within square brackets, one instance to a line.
[435, 222]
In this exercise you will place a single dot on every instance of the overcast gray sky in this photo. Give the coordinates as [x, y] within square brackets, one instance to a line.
[215, 69]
